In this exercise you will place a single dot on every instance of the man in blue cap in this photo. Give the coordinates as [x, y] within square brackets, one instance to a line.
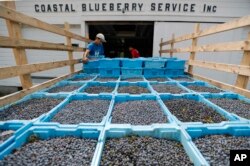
[95, 48]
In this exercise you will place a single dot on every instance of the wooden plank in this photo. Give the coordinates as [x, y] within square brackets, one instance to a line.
[14, 30]
[236, 69]
[13, 71]
[234, 24]
[172, 46]
[194, 44]
[18, 17]
[6, 42]
[70, 53]
[242, 80]
[161, 47]
[222, 85]
[218, 47]
[18, 95]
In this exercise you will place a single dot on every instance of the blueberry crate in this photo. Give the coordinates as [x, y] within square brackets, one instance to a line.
[82, 75]
[236, 130]
[201, 84]
[131, 71]
[149, 72]
[189, 79]
[108, 63]
[91, 70]
[155, 63]
[169, 83]
[174, 72]
[51, 131]
[35, 96]
[175, 64]
[93, 83]
[140, 84]
[17, 127]
[91, 64]
[169, 132]
[198, 98]
[209, 96]
[126, 97]
[64, 83]
[75, 97]
[111, 72]
[132, 63]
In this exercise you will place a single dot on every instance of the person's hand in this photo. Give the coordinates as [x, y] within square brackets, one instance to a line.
[85, 60]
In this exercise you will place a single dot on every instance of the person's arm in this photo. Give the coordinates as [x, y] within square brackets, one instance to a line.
[86, 53]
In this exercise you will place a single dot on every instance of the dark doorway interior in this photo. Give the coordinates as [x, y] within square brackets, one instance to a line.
[121, 35]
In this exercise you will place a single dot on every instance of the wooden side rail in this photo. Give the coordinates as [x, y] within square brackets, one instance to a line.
[14, 22]
[242, 70]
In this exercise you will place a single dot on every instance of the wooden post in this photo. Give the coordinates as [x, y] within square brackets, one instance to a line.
[172, 46]
[70, 53]
[14, 30]
[194, 44]
[242, 80]
[161, 47]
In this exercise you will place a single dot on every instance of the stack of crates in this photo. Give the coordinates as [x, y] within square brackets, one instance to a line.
[132, 67]
[154, 67]
[91, 67]
[175, 67]
[109, 67]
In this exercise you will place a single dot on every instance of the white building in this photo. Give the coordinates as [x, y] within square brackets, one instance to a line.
[131, 22]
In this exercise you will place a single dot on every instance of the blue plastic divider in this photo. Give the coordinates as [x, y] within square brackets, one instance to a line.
[73, 97]
[18, 128]
[197, 98]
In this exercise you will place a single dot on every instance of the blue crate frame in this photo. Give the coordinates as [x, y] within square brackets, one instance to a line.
[52, 113]
[197, 98]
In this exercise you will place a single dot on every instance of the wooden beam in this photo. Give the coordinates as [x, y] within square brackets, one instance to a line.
[218, 47]
[6, 42]
[236, 69]
[172, 46]
[68, 43]
[19, 95]
[194, 44]
[242, 80]
[13, 71]
[161, 47]
[18, 17]
[222, 85]
[234, 24]
[14, 30]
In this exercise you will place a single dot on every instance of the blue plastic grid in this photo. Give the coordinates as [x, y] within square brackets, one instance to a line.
[47, 129]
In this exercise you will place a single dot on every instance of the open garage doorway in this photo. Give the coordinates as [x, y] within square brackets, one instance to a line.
[121, 35]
